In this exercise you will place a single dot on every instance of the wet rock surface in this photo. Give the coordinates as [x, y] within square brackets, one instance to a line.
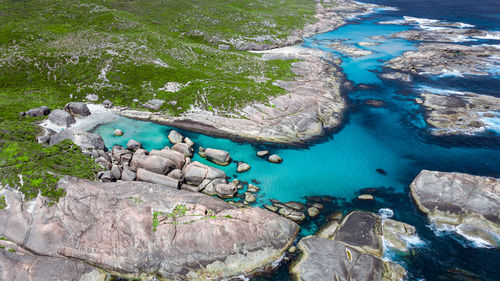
[125, 228]
[471, 203]
[461, 113]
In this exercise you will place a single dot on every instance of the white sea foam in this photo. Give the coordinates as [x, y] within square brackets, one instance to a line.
[385, 213]
[433, 90]
[413, 241]
[491, 35]
[492, 123]
[428, 24]
[277, 262]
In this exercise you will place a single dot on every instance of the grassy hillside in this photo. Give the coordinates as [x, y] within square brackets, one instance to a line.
[54, 51]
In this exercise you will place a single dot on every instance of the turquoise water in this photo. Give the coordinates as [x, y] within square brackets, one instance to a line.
[394, 138]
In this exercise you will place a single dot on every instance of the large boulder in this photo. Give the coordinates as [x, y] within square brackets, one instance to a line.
[175, 137]
[61, 118]
[325, 259]
[133, 145]
[148, 176]
[77, 109]
[38, 111]
[203, 176]
[183, 148]
[156, 164]
[470, 203]
[178, 158]
[363, 231]
[139, 230]
[217, 156]
[83, 139]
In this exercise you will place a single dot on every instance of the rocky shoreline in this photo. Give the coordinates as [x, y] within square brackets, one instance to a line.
[313, 105]
[471, 204]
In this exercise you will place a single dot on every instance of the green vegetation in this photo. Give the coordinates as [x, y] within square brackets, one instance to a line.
[25, 164]
[54, 51]
[179, 211]
[11, 250]
[124, 50]
[3, 205]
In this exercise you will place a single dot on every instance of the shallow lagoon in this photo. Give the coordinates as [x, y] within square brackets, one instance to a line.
[393, 138]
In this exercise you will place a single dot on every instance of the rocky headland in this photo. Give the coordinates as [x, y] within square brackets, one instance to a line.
[351, 248]
[471, 204]
[137, 230]
[314, 103]
[458, 112]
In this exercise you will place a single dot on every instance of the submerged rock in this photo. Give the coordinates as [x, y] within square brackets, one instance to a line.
[125, 228]
[471, 203]
[249, 197]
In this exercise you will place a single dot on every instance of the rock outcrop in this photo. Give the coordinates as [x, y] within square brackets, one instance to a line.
[461, 113]
[77, 109]
[351, 249]
[61, 118]
[17, 264]
[325, 259]
[83, 139]
[138, 230]
[470, 203]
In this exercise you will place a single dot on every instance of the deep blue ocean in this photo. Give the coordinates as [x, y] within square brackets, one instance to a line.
[394, 138]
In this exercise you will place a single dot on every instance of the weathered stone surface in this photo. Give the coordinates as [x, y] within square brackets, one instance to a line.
[275, 159]
[154, 104]
[83, 139]
[118, 132]
[38, 111]
[249, 197]
[292, 214]
[156, 164]
[363, 231]
[225, 191]
[365, 197]
[77, 109]
[313, 212]
[133, 145]
[110, 225]
[189, 142]
[178, 158]
[349, 50]
[295, 205]
[127, 174]
[262, 153]
[395, 233]
[107, 104]
[176, 174]
[325, 259]
[204, 176]
[460, 113]
[107, 176]
[147, 176]
[271, 208]
[217, 156]
[328, 230]
[242, 167]
[22, 265]
[460, 200]
[252, 188]
[61, 118]
[116, 171]
[175, 137]
[183, 148]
